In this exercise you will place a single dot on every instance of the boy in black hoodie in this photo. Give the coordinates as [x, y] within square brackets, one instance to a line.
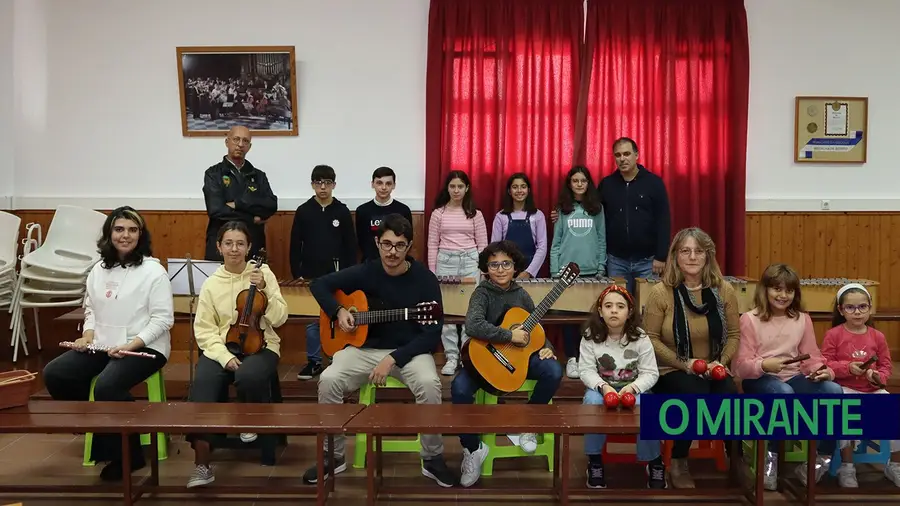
[322, 241]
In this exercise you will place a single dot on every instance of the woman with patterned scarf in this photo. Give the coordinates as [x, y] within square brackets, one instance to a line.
[691, 315]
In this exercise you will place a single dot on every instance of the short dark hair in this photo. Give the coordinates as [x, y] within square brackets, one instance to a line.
[509, 248]
[396, 224]
[323, 172]
[384, 172]
[239, 226]
[620, 140]
[108, 253]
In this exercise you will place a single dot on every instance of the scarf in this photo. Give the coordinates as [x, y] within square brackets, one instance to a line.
[713, 308]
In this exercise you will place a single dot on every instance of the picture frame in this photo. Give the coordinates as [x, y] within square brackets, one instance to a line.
[224, 86]
[831, 129]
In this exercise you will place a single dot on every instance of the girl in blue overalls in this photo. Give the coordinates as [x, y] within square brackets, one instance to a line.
[522, 223]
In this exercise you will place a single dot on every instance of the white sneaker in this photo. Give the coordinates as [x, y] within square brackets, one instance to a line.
[821, 467]
[470, 469]
[572, 368]
[528, 443]
[202, 475]
[892, 472]
[449, 368]
[846, 476]
[248, 437]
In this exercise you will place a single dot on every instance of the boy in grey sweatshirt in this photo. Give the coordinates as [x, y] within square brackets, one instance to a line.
[489, 302]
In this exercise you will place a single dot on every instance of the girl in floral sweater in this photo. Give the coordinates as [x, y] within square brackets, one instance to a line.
[617, 356]
[847, 346]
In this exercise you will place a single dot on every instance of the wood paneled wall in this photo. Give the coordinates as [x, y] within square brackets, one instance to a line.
[818, 245]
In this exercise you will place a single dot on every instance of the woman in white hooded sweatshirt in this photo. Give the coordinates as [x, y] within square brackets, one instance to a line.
[217, 366]
[127, 307]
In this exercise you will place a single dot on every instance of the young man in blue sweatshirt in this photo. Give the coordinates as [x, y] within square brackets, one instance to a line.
[638, 224]
[322, 241]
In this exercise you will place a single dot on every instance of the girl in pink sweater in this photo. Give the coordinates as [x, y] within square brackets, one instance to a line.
[456, 234]
[774, 332]
[849, 344]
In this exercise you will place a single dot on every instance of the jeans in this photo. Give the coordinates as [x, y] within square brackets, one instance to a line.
[548, 374]
[647, 449]
[799, 384]
[629, 269]
[313, 343]
[463, 264]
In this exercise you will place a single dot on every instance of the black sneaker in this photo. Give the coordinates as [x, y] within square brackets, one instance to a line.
[595, 476]
[656, 476]
[436, 469]
[311, 370]
[310, 476]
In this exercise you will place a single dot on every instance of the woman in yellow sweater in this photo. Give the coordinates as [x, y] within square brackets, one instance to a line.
[691, 315]
[218, 367]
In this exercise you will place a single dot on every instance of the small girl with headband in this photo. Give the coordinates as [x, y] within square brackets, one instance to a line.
[849, 346]
[617, 356]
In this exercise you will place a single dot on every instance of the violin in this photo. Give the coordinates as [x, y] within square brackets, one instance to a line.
[246, 337]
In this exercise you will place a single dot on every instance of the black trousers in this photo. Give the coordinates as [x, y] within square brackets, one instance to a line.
[680, 382]
[68, 378]
[253, 381]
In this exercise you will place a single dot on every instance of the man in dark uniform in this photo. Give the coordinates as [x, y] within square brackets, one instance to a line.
[236, 190]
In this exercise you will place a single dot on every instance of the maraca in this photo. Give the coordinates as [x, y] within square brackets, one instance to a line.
[719, 373]
[699, 367]
[611, 400]
[628, 400]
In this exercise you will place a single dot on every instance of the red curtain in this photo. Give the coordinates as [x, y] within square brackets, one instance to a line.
[502, 93]
[674, 75]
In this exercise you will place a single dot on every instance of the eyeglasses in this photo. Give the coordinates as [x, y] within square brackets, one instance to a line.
[240, 141]
[686, 252]
[234, 245]
[323, 182]
[850, 308]
[388, 246]
[505, 265]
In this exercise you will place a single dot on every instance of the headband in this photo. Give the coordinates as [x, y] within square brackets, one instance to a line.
[618, 289]
[851, 286]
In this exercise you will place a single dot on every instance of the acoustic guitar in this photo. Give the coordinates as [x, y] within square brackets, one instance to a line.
[336, 339]
[502, 368]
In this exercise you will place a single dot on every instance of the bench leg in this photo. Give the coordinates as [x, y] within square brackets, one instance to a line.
[126, 471]
[320, 469]
[154, 462]
[760, 491]
[371, 491]
[565, 457]
[331, 459]
[811, 455]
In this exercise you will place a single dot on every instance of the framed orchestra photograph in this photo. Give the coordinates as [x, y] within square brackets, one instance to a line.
[831, 129]
[252, 86]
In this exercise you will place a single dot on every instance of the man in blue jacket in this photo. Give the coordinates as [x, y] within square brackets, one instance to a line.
[638, 223]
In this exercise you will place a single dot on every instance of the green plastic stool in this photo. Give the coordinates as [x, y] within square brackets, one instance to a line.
[795, 452]
[367, 398]
[545, 441]
[156, 392]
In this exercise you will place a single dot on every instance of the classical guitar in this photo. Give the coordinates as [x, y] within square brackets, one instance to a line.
[246, 336]
[501, 368]
[334, 339]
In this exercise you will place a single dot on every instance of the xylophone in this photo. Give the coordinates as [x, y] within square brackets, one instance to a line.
[579, 297]
[819, 293]
[295, 291]
[745, 290]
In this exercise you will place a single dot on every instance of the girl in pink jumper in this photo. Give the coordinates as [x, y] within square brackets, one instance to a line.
[849, 344]
[774, 332]
[456, 233]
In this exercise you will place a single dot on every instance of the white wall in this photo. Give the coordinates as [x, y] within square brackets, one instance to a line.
[98, 121]
[7, 144]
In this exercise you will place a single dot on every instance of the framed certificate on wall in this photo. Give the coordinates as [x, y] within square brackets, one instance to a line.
[831, 129]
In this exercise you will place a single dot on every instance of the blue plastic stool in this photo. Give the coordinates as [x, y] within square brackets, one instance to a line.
[156, 392]
[861, 454]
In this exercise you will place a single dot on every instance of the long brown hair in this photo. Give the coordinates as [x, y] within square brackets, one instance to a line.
[711, 276]
[774, 276]
[595, 329]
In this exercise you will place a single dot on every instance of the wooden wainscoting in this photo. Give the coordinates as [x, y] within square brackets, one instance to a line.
[818, 245]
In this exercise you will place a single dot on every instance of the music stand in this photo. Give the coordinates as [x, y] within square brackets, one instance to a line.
[183, 275]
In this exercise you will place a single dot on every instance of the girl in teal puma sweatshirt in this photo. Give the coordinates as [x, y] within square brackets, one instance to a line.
[579, 236]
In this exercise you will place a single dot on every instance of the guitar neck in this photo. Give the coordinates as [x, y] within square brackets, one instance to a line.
[381, 316]
[535, 317]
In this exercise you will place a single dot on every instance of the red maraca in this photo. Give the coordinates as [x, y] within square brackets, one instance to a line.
[699, 367]
[611, 400]
[628, 400]
[719, 373]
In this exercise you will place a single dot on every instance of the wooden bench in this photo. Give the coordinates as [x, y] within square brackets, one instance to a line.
[125, 418]
[561, 419]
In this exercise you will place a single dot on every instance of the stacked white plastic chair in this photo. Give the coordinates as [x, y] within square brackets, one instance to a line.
[9, 245]
[53, 273]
